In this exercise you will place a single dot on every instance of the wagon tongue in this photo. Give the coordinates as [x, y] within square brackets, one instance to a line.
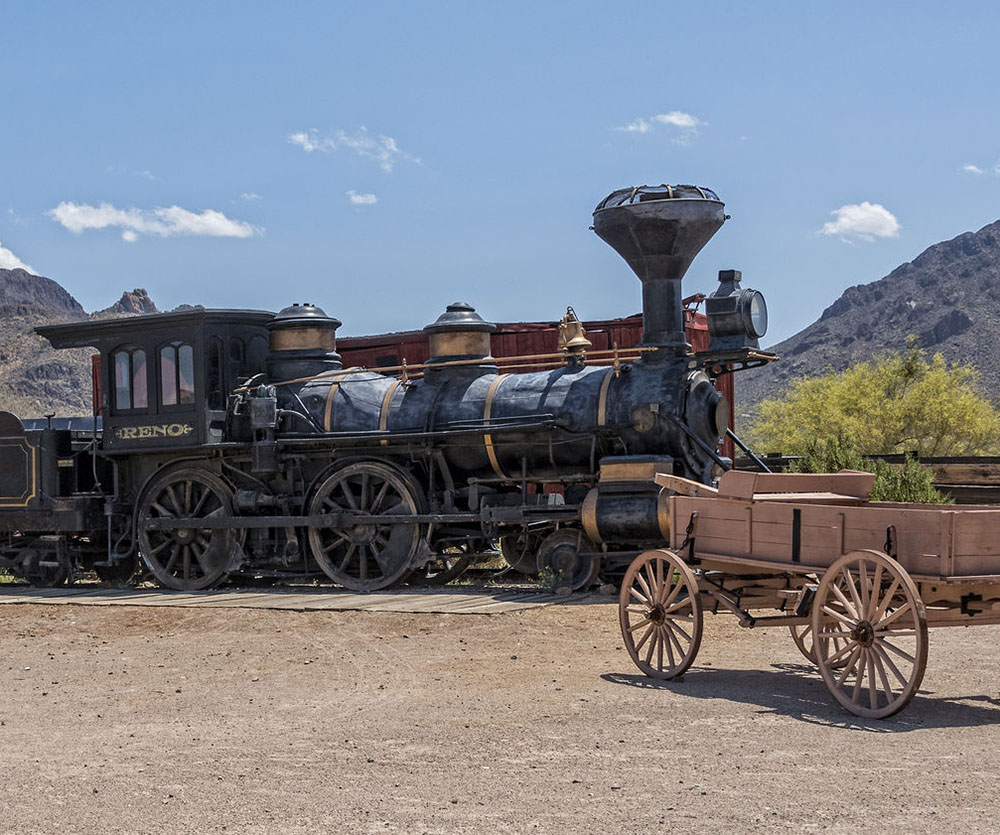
[659, 230]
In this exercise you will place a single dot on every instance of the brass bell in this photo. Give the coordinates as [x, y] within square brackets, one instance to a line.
[572, 335]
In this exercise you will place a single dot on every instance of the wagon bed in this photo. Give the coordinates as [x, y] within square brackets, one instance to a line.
[857, 582]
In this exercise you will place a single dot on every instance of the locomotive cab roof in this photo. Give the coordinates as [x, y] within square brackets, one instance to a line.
[163, 379]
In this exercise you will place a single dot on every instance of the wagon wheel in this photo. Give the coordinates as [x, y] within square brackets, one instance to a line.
[186, 558]
[660, 612]
[367, 556]
[569, 558]
[803, 637]
[868, 601]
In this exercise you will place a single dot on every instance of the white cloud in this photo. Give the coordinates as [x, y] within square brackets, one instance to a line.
[969, 168]
[638, 126]
[382, 149]
[679, 120]
[367, 199]
[165, 223]
[866, 221]
[250, 195]
[685, 124]
[9, 261]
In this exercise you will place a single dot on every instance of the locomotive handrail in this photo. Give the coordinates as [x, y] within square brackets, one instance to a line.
[611, 353]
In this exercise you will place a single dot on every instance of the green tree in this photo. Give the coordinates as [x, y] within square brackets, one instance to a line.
[899, 402]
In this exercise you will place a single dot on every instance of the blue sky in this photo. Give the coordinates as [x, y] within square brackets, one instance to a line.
[384, 159]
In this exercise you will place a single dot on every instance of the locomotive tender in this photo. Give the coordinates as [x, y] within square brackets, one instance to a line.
[236, 440]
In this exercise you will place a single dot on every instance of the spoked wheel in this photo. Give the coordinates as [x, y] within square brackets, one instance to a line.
[660, 612]
[369, 555]
[803, 637]
[46, 565]
[450, 564]
[520, 551]
[192, 558]
[868, 603]
[569, 558]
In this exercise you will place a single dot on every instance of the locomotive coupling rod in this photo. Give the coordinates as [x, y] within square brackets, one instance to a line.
[319, 520]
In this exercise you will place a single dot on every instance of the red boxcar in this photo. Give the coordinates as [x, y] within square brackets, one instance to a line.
[513, 339]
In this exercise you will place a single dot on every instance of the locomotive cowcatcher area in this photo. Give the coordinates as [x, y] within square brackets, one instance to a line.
[127, 719]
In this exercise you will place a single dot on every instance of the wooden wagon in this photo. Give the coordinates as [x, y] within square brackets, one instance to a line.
[857, 582]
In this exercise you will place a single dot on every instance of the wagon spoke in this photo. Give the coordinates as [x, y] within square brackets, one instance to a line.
[882, 676]
[883, 642]
[873, 603]
[639, 597]
[674, 627]
[841, 617]
[872, 683]
[676, 607]
[859, 676]
[676, 641]
[863, 584]
[645, 587]
[849, 667]
[670, 598]
[637, 609]
[848, 606]
[670, 650]
[894, 616]
[884, 657]
[886, 601]
[659, 650]
[852, 588]
[652, 645]
[840, 653]
[638, 624]
[645, 636]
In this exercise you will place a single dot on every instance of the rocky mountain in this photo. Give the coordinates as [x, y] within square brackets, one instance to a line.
[35, 379]
[948, 296]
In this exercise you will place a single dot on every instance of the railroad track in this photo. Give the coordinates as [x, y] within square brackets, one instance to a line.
[447, 600]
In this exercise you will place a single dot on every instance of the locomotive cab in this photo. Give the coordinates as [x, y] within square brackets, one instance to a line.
[163, 379]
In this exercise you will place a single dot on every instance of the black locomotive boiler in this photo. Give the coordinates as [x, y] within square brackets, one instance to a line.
[236, 441]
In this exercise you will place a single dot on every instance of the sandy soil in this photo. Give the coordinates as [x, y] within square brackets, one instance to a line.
[179, 721]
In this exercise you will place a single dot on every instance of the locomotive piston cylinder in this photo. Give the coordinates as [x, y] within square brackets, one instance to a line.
[627, 505]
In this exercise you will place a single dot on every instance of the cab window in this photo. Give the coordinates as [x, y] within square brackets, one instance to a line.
[129, 366]
[176, 374]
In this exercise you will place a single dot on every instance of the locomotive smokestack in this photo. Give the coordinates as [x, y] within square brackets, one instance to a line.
[659, 230]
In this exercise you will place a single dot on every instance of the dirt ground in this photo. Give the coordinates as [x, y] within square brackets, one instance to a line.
[178, 721]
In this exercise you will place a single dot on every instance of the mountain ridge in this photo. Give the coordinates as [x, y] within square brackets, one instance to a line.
[948, 297]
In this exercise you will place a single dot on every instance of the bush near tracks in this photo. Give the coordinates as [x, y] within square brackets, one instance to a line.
[909, 483]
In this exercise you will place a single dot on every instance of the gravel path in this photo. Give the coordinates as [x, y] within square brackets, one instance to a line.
[180, 721]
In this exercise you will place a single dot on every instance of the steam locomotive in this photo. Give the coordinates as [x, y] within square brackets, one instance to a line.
[237, 441]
